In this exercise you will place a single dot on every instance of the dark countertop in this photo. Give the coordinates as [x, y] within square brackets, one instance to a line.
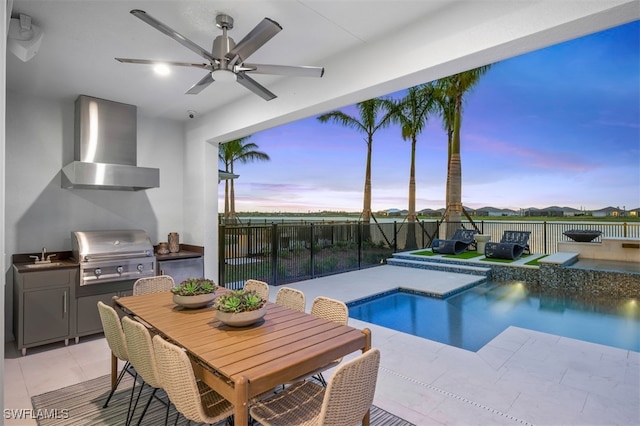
[55, 264]
[61, 260]
[182, 254]
[187, 251]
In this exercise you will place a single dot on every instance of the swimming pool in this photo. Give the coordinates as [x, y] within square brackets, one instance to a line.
[471, 319]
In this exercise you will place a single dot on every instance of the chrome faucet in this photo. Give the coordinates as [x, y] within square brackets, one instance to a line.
[43, 257]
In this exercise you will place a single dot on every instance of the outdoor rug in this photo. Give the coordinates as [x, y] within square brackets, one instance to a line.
[81, 404]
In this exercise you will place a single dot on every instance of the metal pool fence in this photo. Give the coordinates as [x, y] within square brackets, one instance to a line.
[281, 253]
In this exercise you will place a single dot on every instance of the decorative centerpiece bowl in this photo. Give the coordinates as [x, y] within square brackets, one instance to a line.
[240, 308]
[582, 235]
[194, 293]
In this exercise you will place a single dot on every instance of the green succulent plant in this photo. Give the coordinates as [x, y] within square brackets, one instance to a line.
[195, 286]
[239, 301]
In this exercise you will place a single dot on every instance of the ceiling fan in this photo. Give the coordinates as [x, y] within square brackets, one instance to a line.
[226, 60]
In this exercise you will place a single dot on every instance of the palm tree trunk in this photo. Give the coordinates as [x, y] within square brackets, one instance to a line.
[366, 208]
[226, 201]
[411, 217]
[455, 174]
[232, 200]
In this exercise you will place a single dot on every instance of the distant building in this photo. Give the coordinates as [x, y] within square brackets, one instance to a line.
[392, 212]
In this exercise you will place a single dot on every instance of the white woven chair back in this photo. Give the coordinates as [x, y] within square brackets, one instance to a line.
[350, 391]
[153, 285]
[113, 331]
[330, 309]
[179, 382]
[140, 349]
[291, 298]
[259, 287]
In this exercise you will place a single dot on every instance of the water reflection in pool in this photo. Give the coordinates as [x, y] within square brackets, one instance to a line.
[471, 319]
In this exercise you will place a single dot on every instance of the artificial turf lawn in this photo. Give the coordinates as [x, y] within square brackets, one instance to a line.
[424, 253]
[534, 262]
[464, 255]
[495, 259]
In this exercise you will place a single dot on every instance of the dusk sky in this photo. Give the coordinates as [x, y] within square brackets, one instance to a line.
[558, 126]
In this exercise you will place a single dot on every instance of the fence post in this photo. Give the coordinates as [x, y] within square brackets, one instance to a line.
[624, 229]
[544, 236]
[221, 254]
[274, 254]
[359, 230]
[311, 252]
[395, 236]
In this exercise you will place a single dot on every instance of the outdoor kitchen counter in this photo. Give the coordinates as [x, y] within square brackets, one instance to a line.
[61, 260]
[186, 252]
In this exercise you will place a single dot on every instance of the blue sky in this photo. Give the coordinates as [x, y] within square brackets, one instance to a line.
[559, 126]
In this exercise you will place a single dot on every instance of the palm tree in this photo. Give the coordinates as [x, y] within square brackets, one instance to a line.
[368, 124]
[452, 90]
[412, 113]
[229, 153]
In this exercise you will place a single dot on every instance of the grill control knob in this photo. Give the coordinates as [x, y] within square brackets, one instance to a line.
[98, 272]
[120, 270]
[140, 267]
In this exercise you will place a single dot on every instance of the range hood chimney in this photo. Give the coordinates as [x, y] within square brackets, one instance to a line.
[105, 148]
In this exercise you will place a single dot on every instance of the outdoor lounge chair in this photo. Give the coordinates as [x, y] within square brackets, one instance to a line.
[458, 243]
[511, 245]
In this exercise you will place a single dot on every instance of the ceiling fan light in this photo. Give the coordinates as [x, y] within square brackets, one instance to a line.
[162, 69]
[223, 76]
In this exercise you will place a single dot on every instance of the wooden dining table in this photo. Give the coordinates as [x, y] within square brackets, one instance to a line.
[241, 363]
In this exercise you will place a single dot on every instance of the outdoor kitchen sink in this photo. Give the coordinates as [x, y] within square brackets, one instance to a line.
[44, 265]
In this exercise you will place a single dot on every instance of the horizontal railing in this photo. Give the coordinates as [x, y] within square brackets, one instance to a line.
[280, 253]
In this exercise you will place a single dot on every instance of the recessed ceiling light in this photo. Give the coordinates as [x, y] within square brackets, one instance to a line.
[162, 69]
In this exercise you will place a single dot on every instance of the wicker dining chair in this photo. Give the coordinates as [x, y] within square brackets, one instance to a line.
[343, 402]
[193, 399]
[115, 339]
[153, 284]
[259, 287]
[142, 357]
[291, 298]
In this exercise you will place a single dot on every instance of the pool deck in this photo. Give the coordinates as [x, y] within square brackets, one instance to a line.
[520, 377]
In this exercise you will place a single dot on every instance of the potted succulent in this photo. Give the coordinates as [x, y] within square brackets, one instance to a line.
[194, 292]
[240, 308]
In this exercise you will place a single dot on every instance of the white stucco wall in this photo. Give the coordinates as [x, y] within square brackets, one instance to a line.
[40, 213]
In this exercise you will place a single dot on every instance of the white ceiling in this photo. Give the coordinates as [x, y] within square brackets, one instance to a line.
[82, 38]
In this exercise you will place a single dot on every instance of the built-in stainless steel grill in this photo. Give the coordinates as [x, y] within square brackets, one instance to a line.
[110, 256]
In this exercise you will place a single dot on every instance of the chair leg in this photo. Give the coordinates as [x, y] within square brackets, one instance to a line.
[120, 376]
[321, 379]
[146, 406]
[133, 388]
[166, 416]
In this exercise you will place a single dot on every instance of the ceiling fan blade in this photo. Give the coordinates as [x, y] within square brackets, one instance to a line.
[293, 71]
[142, 15]
[262, 33]
[201, 85]
[173, 63]
[254, 86]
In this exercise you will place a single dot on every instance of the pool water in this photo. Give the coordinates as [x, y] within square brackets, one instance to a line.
[471, 319]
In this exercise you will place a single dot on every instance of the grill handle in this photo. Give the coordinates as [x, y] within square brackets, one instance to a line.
[91, 257]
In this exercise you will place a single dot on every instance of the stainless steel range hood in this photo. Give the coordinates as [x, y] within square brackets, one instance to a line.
[105, 148]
